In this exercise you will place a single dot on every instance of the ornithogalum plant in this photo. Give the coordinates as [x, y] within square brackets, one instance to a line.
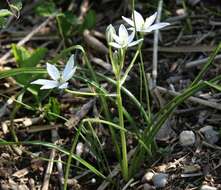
[121, 42]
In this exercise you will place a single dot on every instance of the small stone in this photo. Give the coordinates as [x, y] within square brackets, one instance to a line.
[207, 187]
[187, 138]
[148, 176]
[147, 186]
[160, 180]
[210, 134]
[80, 148]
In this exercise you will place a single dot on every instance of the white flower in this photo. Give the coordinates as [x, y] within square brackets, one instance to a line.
[59, 78]
[144, 26]
[109, 33]
[124, 40]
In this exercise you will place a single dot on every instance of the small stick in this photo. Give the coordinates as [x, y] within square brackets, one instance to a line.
[26, 39]
[48, 170]
[54, 137]
[207, 103]
[155, 45]
[200, 62]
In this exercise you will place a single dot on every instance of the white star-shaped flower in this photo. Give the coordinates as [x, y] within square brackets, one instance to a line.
[144, 26]
[59, 78]
[124, 40]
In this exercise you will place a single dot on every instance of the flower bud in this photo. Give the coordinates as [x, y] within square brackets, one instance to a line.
[109, 33]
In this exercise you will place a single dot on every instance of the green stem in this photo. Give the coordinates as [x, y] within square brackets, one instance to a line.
[78, 93]
[145, 81]
[105, 106]
[124, 163]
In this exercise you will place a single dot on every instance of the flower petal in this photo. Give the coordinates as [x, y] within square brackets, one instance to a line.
[129, 21]
[131, 37]
[149, 20]
[41, 81]
[123, 34]
[63, 86]
[117, 38]
[139, 21]
[135, 42]
[69, 75]
[113, 44]
[68, 67]
[53, 71]
[110, 30]
[47, 84]
[157, 26]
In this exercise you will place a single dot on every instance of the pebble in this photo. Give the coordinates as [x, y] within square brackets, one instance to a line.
[80, 148]
[147, 186]
[187, 138]
[160, 180]
[207, 187]
[148, 177]
[210, 134]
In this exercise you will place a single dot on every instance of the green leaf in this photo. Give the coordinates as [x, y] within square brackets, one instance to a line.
[20, 54]
[215, 86]
[53, 106]
[15, 5]
[20, 71]
[67, 21]
[3, 22]
[46, 9]
[89, 20]
[26, 59]
[5, 12]
[35, 57]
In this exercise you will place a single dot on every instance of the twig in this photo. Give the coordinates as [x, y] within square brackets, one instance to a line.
[200, 62]
[26, 39]
[48, 171]
[60, 172]
[74, 120]
[47, 176]
[155, 45]
[207, 103]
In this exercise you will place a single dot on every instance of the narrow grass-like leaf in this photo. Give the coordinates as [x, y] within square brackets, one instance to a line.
[67, 170]
[14, 72]
[207, 65]
[62, 150]
[95, 120]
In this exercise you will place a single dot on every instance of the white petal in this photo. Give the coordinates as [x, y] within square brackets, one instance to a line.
[157, 26]
[139, 21]
[68, 67]
[149, 21]
[115, 45]
[129, 21]
[135, 42]
[69, 75]
[117, 38]
[51, 85]
[123, 34]
[63, 86]
[53, 71]
[41, 81]
[131, 37]
[47, 84]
